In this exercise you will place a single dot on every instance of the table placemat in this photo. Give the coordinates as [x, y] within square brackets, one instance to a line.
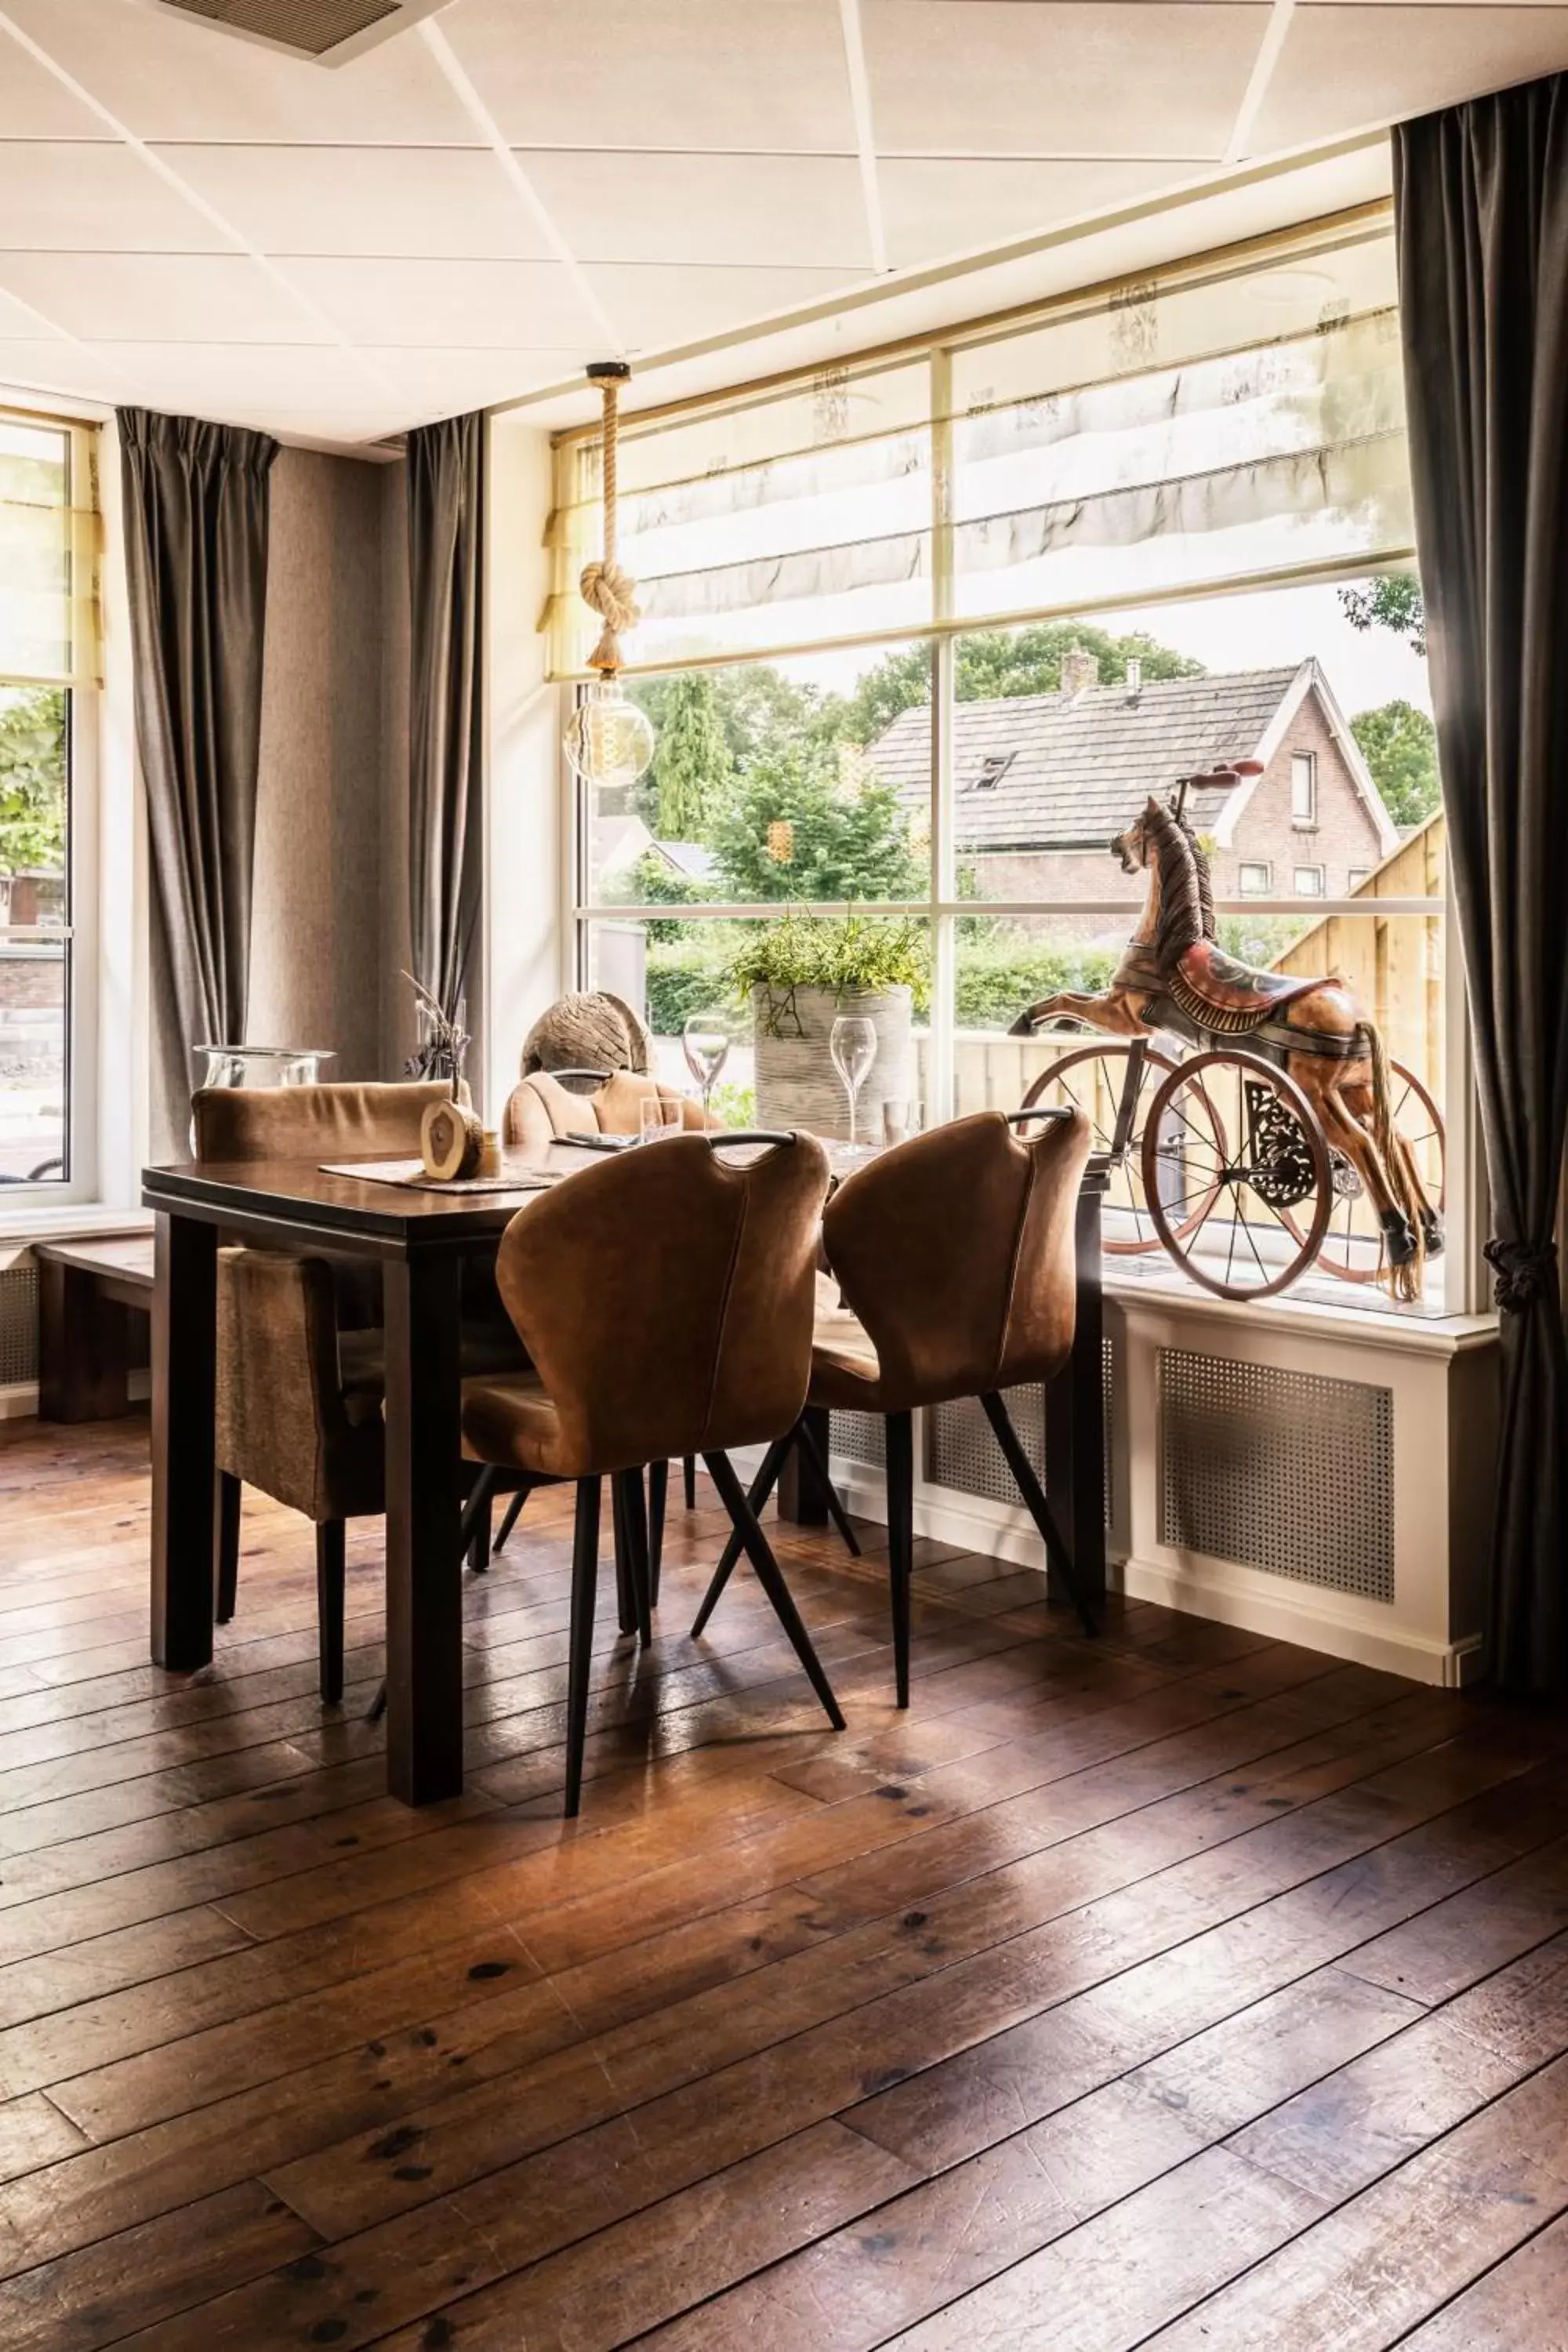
[412, 1173]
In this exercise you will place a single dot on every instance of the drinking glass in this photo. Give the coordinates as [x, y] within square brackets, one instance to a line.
[852, 1046]
[657, 1116]
[900, 1119]
[705, 1041]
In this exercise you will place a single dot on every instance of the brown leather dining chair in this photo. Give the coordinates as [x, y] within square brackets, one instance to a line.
[954, 1253]
[666, 1299]
[301, 1354]
[555, 1106]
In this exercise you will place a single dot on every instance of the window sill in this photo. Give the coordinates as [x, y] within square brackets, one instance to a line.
[44, 1221]
[1370, 1327]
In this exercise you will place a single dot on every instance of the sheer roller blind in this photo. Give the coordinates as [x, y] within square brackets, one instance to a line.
[1239, 418]
[49, 553]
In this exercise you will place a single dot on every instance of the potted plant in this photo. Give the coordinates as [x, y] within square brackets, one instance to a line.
[798, 975]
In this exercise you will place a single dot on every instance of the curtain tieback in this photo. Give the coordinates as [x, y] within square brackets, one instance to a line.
[1525, 1272]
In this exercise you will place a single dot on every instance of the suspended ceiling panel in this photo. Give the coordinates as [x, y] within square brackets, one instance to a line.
[436, 203]
[686, 74]
[472, 211]
[1059, 77]
[1344, 66]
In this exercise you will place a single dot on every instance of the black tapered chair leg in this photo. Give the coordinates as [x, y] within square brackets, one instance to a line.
[477, 1515]
[626, 1600]
[634, 1522]
[580, 1648]
[657, 1503]
[770, 1576]
[805, 1436]
[511, 1519]
[763, 1486]
[330, 1581]
[1034, 1502]
[228, 1494]
[689, 1472]
[900, 1454]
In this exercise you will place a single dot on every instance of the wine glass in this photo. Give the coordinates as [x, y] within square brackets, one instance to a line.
[852, 1046]
[705, 1041]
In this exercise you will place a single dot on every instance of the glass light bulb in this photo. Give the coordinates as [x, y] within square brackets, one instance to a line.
[609, 739]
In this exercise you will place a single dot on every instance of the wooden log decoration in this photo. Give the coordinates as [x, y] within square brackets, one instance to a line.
[451, 1141]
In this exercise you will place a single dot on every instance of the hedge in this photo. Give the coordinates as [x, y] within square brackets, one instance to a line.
[998, 977]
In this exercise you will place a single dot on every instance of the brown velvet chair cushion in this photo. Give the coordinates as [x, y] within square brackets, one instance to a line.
[314, 1123]
[955, 1257]
[540, 1110]
[666, 1299]
[283, 1420]
[302, 1367]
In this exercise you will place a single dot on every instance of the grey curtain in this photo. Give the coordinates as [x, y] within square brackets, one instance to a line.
[1481, 203]
[196, 499]
[445, 466]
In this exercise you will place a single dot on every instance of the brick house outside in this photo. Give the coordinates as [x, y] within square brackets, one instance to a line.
[1042, 780]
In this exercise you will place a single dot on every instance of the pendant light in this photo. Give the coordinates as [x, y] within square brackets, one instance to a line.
[609, 740]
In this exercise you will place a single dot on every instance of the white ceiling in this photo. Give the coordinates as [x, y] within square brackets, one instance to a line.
[515, 187]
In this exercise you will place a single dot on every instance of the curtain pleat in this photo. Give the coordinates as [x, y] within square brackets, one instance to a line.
[445, 466]
[1481, 209]
[196, 511]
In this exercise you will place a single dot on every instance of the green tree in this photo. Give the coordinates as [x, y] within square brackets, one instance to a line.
[991, 663]
[1392, 600]
[692, 764]
[1399, 744]
[756, 705]
[804, 822]
[32, 779]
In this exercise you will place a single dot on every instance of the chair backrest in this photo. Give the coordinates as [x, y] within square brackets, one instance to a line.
[316, 1123]
[666, 1296]
[540, 1108]
[955, 1252]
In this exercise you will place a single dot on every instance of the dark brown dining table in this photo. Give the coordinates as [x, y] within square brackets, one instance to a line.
[421, 1238]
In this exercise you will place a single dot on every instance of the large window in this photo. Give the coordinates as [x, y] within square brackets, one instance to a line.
[922, 633]
[47, 663]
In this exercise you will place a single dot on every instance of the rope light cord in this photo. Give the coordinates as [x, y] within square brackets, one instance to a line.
[605, 589]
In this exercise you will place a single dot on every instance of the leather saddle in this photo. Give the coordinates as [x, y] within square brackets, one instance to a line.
[1231, 999]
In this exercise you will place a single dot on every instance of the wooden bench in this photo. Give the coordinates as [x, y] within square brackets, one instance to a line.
[88, 1293]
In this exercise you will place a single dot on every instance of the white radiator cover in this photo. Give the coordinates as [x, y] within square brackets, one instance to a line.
[1322, 1476]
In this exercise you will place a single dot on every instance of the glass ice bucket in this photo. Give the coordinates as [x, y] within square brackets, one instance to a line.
[261, 1065]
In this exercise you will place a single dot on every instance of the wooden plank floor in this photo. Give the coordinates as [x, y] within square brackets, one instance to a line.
[1179, 1988]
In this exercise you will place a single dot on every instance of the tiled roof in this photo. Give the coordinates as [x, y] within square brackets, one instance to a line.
[1072, 770]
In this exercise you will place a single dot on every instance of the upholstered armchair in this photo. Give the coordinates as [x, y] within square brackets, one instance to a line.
[300, 1358]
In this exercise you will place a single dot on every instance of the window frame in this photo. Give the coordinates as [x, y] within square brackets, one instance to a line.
[1317, 893]
[1304, 762]
[1246, 865]
[944, 909]
[79, 1184]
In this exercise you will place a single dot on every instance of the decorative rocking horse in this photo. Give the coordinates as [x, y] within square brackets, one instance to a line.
[1290, 1113]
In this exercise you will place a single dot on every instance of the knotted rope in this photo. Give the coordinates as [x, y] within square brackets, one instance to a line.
[1524, 1272]
[605, 589]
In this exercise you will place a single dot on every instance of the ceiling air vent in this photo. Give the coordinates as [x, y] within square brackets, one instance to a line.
[329, 32]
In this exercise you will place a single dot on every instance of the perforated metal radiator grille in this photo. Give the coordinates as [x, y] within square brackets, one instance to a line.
[960, 1451]
[1276, 1470]
[19, 1325]
[858, 1437]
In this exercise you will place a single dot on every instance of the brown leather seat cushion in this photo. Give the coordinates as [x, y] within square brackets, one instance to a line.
[845, 1373]
[511, 1420]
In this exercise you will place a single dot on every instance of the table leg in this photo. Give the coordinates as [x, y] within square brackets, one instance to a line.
[1075, 1423]
[185, 1383]
[800, 1495]
[424, 1511]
